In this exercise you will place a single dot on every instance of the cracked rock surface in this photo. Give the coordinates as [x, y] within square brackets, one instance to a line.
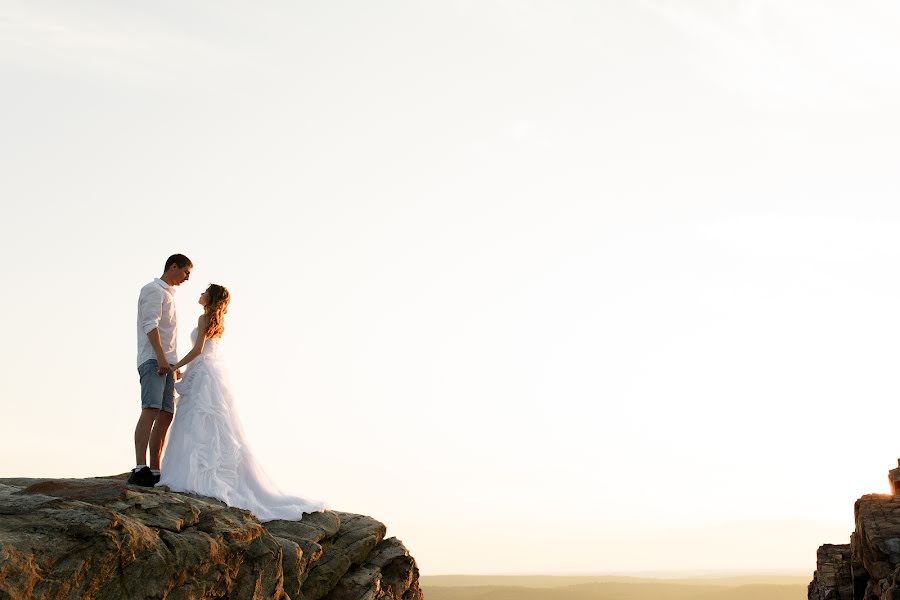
[868, 568]
[101, 538]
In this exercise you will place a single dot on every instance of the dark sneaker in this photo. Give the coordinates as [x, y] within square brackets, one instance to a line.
[155, 478]
[143, 477]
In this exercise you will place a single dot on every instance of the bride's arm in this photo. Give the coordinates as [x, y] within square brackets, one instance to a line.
[198, 344]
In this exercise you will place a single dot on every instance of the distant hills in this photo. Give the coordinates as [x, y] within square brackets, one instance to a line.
[538, 587]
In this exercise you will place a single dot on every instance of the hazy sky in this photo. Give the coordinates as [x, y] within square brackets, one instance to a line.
[544, 286]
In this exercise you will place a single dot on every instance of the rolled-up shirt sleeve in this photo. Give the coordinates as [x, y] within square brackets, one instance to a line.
[150, 309]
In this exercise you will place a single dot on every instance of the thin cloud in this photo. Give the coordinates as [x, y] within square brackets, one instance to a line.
[35, 34]
[804, 236]
[126, 48]
[825, 56]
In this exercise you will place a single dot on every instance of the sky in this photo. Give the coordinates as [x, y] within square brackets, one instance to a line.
[546, 287]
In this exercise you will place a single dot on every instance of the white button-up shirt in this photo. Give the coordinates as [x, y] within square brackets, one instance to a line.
[156, 310]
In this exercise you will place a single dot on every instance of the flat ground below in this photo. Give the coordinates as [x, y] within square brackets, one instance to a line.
[587, 587]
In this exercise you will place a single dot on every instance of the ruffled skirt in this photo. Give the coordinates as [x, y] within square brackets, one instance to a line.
[207, 452]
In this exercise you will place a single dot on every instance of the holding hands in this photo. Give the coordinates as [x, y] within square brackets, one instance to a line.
[165, 368]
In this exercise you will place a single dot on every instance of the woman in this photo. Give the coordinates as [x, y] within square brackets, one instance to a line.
[207, 453]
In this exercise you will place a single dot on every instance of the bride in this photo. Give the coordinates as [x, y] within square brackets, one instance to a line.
[207, 453]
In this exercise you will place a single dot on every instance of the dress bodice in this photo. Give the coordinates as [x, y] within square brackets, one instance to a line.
[209, 355]
[210, 347]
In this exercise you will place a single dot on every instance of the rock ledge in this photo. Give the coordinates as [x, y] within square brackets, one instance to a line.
[100, 538]
[868, 568]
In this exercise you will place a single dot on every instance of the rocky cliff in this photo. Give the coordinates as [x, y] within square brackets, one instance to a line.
[868, 568]
[100, 538]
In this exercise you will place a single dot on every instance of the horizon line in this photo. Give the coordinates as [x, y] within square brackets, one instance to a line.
[652, 574]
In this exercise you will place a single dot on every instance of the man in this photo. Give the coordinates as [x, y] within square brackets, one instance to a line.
[157, 352]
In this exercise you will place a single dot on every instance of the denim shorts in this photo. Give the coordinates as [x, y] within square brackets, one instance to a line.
[157, 391]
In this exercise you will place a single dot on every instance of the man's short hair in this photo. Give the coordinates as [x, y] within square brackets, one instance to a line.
[181, 261]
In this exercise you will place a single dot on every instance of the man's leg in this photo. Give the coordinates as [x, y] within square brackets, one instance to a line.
[163, 420]
[153, 388]
[158, 437]
[142, 434]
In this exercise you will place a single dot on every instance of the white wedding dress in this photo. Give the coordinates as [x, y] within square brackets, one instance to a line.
[207, 451]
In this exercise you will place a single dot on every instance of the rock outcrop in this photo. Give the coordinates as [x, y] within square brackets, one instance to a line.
[833, 578]
[868, 568]
[101, 538]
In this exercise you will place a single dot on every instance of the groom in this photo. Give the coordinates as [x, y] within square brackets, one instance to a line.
[156, 328]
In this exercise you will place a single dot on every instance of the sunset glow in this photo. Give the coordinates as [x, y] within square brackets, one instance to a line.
[546, 287]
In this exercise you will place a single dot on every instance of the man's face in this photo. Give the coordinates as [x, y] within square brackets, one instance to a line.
[180, 274]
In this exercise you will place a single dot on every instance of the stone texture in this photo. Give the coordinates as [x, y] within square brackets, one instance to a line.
[354, 540]
[877, 541]
[868, 568]
[388, 572]
[833, 579]
[101, 538]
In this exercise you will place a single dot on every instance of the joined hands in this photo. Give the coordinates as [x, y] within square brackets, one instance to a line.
[169, 368]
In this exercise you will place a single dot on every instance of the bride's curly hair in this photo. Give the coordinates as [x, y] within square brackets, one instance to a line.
[216, 309]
